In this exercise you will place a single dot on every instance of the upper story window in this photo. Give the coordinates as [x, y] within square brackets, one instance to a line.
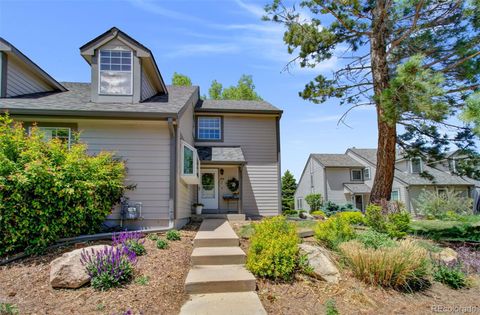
[190, 164]
[357, 175]
[209, 128]
[416, 166]
[115, 72]
[366, 173]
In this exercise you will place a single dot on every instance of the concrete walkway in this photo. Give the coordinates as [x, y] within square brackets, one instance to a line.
[218, 282]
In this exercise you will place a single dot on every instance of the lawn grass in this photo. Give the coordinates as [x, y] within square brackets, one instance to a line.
[466, 230]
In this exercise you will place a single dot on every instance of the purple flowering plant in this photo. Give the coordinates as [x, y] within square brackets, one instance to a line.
[469, 258]
[109, 267]
[130, 241]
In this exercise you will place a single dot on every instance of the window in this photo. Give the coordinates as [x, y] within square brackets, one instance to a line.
[62, 133]
[442, 192]
[190, 164]
[395, 196]
[416, 165]
[366, 173]
[209, 128]
[357, 175]
[115, 72]
[462, 193]
[299, 203]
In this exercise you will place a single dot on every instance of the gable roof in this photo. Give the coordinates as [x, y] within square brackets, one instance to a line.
[237, 106]
[439, 177]
[76, 102]
[337, 160]
[88, 51]
[12, 51]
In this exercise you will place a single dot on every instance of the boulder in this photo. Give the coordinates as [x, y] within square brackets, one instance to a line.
[446, 256]
[323, 267]
[68, 272]
[305, 215]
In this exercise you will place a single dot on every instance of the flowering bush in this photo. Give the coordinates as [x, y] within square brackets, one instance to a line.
[110, 267]
[49, 190]
[131, 241]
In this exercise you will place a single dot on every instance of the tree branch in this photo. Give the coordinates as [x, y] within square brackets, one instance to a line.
[396, 42]
[343, 22]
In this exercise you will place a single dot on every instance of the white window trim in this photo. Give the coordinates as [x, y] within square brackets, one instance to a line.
[411, 165]
[369, 173]
[219, 128]
[356, 170]
[299, 203]
[54, 127]
[398, 193]
[193, 178]
[99, 62]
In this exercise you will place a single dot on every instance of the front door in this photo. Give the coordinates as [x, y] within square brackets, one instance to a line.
[209, 188]
[359, 202]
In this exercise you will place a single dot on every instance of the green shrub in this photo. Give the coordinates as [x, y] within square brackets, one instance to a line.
[398, 224]
[401, 267]
[153, 237]
[136, 246]
[447, 230]
[330, 208]
[331, 308]
[319, 213]
[273, 251]
[334, 231]
[290, 212]
[162, 244]
[453, 276]
[314, 201]
[50, 191]
[395, 224]
[173, 235]
[442, 206]
[375, 240]
[142, 280]
[353, 217]
[8, 309]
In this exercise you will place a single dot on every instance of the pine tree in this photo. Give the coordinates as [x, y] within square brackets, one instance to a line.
[289, 185]
[416, 61]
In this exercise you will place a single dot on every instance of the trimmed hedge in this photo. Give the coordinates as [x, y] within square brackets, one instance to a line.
[447, 230]
[49, 191]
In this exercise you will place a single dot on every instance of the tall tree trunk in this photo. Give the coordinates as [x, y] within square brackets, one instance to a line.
[387, 133]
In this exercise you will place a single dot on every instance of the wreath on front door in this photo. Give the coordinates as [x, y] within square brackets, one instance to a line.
[233, 184]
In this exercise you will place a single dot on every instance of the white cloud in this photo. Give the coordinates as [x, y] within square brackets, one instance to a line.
[202, 49]
[154, 7]
[252, 8]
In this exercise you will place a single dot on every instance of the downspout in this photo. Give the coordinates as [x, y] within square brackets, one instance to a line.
[173, 174]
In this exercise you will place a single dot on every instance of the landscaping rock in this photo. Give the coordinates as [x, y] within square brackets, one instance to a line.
[323, 267]
[447, 256]
[305, 215]
[67, 271]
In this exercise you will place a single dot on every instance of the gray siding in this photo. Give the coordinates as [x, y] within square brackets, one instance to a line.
[146, 148]
[147, 88]
[257, 137]
[186, 194]
[336, 177]
[312, 181]
[21, 81]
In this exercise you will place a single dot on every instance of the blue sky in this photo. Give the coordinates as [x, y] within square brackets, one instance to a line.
[205, 40]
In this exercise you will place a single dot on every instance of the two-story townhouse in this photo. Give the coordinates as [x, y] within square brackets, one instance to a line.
[179, 149]
[408, 183]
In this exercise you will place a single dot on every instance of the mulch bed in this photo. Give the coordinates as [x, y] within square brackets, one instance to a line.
[25, 283]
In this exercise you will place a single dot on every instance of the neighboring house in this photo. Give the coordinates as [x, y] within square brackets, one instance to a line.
[178, 149]
[348, 178]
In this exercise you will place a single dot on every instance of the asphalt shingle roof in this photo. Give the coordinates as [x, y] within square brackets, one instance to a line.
[358, 188]
[235, 106]
[336, 160]
[439, 177]
[221, 154]
[76, 101]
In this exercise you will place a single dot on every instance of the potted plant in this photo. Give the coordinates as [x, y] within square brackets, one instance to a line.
[198, 208]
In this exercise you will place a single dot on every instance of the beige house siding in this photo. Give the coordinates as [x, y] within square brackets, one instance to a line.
[147, 88]
[145, 146]
[186, 194]
[312, 181]
[257, 135]
[336, 177]
[22, 81]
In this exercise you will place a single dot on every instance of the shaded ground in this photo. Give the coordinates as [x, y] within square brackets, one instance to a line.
[306, 295]
[26, 284]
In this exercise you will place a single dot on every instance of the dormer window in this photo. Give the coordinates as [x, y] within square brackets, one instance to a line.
[416, 165]
[115, 72]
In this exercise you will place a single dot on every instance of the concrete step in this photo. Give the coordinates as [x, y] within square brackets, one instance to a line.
[218, 256]
[215, 233]
[238, 303]
[225, 216]
[219, 279]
